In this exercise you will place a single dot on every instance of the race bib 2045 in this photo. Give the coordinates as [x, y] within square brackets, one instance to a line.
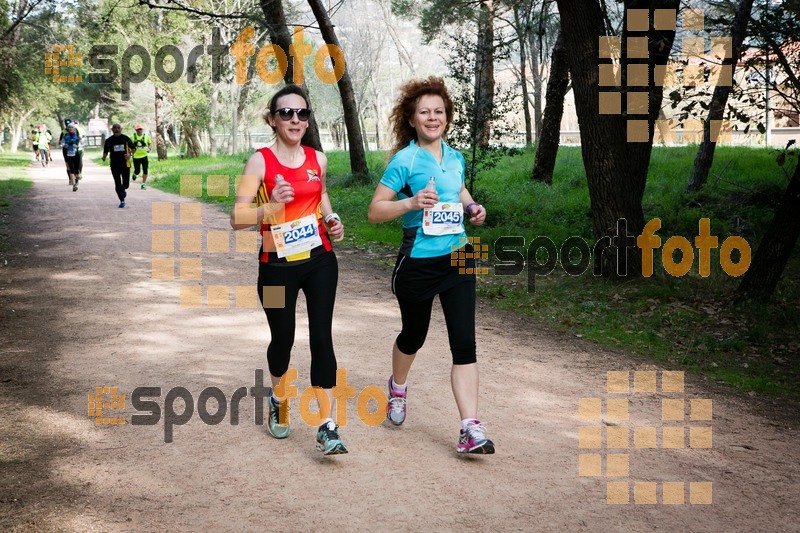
[444, 218]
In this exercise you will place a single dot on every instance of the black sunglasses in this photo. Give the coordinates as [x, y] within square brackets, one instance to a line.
[286, 113]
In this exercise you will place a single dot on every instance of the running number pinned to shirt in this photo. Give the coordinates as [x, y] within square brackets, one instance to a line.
[297, 236]
[444, 218]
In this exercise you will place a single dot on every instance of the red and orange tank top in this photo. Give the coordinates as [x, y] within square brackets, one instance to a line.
[307, 185]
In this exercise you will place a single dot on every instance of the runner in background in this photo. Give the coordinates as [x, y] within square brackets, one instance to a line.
[67, 122]
[35, 140]
[120, 147]
[70, 143]
[142, 143]
[78, 158]
[80, 133]
[43, 138]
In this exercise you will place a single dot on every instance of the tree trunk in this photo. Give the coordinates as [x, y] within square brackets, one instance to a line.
[193, 145]
[234, 120]
[776, 247]
[280, 35]
[358, 158]
[402, 53]
[243, 94]
[212, 111]
[376, 107]
[335, 135]
[16, 134]
[161, 145]
[484, 76]
[550, 136]
[616, 163]
[537, 88]
[523, 76]
[705, 154]
[364, 129]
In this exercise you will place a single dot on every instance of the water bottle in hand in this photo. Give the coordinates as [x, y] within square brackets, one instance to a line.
[431, 186]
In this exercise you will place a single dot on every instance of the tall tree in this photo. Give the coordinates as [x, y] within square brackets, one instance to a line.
[161, 145]
[616, 163]
[776, 30]
[540, 42]
[13, 19]
[402, 51]
[705, 154]
[358, 157]
[28, 29]
[522, 29]
[484, 75]
[775, 248]
[550, 136]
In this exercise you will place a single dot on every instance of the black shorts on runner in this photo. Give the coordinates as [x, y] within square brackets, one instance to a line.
[73, 164]
[417, 279]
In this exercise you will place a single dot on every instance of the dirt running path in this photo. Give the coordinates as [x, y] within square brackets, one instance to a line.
[79, 309]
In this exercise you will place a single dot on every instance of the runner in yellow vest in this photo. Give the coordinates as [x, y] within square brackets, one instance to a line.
[141, 142]
[42, 139]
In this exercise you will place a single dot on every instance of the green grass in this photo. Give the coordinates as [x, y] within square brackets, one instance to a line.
[10, 164]
[688, 323]
[13, 187]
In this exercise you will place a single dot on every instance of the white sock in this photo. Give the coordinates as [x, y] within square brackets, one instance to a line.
[399, 388]
[275, 399]
[468, 421]
[325, 422]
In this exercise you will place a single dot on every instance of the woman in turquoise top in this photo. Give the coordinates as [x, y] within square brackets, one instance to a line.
[424, 183]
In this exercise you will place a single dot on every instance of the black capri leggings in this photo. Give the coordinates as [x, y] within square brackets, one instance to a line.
[73, 164]
[458, 305]
[317, 277]
[140, 164]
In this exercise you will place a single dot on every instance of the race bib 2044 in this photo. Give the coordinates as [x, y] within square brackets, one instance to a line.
[297, 236]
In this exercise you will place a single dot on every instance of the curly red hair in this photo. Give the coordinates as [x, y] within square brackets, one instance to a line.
[406, 106]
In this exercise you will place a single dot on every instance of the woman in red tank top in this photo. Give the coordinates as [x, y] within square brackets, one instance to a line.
[297, 223]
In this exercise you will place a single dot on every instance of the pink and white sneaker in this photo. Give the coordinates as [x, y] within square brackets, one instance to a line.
[396, 408]
[473, 439]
